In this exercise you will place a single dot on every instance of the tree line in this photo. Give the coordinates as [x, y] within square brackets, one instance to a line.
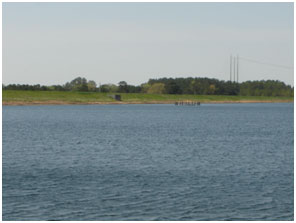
[190, 85]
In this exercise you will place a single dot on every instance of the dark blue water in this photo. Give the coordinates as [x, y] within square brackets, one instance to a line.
[148, 162]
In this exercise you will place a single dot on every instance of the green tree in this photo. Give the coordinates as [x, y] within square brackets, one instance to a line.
[212, 89]
[122, 87]
[156, 88]
[172, 87]
[108, 88]
[91, 86]
[78, 84]
[145, 87]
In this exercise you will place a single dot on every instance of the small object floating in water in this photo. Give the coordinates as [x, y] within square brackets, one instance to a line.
[192, 103]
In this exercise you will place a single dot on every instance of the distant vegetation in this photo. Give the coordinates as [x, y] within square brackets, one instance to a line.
[182, 86]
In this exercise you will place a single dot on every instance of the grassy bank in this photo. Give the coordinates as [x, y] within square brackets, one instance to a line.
[11, 97]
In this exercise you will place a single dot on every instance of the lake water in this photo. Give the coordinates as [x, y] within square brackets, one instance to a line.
[148, 162]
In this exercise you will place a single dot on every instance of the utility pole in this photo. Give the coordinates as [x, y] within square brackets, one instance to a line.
[234, 69]
[230, 66]
[237, 69]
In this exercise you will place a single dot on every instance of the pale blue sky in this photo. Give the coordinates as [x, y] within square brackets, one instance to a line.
[52, 43]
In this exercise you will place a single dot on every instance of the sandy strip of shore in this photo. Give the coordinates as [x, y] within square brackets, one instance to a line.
[133, 102]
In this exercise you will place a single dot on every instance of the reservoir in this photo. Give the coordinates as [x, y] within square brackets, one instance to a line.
[148, 162]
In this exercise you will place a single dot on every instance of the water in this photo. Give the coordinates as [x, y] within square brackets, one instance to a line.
[148, 162]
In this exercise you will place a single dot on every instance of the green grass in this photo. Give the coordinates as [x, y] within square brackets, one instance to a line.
[29, 96]
[89, 97]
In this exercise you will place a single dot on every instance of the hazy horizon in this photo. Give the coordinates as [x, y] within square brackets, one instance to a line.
[53, 43]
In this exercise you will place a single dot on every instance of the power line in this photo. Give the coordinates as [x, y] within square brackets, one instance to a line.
[270, 64]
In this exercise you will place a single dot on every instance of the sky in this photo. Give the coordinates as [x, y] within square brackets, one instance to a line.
[53, 43]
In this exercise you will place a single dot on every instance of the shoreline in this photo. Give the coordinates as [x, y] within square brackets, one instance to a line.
[54, 102]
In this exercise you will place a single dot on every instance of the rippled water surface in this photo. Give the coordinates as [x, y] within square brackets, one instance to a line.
[148, 162]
